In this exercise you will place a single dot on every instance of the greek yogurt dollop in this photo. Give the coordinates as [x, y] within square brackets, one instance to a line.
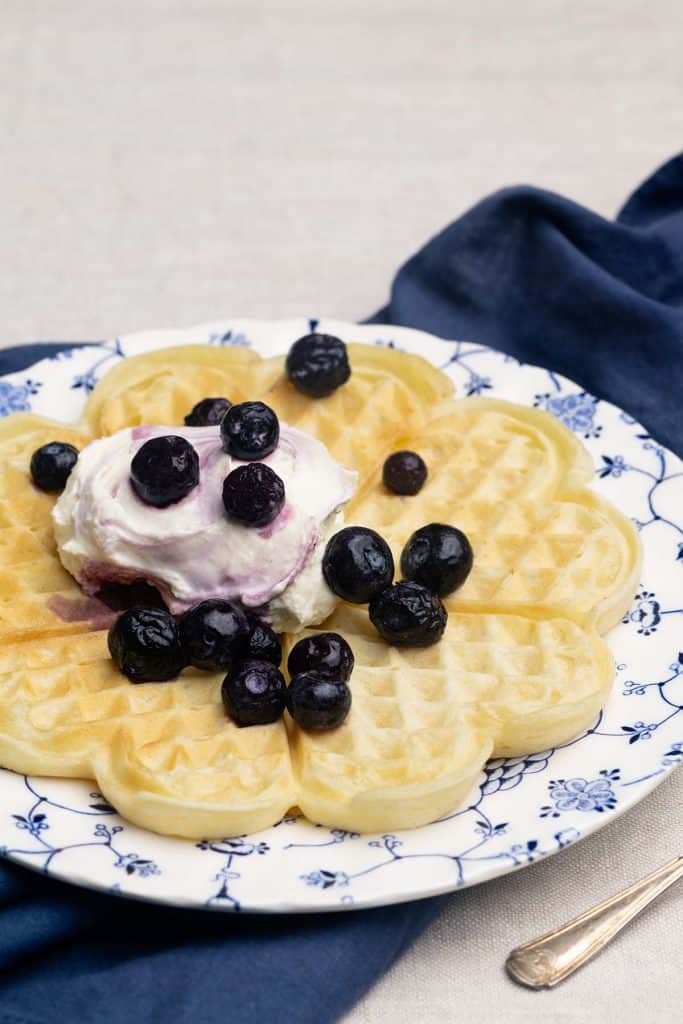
[191, 550]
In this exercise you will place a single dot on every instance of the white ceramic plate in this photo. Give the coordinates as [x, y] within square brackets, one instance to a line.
[522, 810]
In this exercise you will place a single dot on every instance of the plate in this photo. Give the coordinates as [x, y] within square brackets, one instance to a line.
[522, 809]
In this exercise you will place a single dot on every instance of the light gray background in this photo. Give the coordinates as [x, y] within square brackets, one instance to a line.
[168, 162]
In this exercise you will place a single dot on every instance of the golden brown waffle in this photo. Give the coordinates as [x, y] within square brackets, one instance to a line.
[519, 668]
[515, 480]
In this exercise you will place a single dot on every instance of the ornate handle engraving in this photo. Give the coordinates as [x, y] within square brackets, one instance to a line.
[549, 959]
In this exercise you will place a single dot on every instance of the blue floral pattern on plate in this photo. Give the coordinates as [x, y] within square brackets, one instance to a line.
[522, 809]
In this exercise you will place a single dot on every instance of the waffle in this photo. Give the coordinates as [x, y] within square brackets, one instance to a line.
[514, 479]
[424, 721]
[162, 387]
[423, 724]
[37, 596]
[521, 666]
[386, 390]
[165, 755]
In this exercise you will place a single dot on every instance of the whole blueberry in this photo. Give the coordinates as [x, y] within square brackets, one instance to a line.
[145, 644]
[408, 615]
[51, 465]
[208, 412]
[404, 473]
[253, 494]
[357, 563]
[315, 701]
[262, 643]
[212, 634]
[325, 653]
[254, 693]
[164, 470]
[250, 431]
[437, 556]
[318, 364]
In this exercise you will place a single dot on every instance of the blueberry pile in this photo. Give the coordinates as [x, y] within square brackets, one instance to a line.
[318, 695]
[358, 566]
[148, 645]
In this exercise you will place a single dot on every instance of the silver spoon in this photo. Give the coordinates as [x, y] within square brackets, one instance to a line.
[551, 958]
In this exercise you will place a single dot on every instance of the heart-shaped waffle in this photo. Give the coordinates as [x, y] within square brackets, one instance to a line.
[521, 666]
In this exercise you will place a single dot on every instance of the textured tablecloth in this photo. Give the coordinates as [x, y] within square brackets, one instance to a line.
[167, 162]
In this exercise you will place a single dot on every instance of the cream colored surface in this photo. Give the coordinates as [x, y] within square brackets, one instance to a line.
[430, 106]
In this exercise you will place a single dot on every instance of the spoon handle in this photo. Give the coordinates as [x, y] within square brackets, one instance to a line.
[551, 958]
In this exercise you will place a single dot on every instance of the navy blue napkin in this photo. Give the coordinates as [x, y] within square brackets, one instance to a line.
[548, 281]
[526, 272]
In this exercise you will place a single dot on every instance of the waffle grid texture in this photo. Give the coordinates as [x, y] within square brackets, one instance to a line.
[521, 667]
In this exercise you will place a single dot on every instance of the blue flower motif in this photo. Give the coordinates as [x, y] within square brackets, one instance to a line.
[639, 731]
[16, 397]
[524, 852]
[576, 411]
[646, 613]
[325, 879]
[229, 338]
[477, 384]
[33, 823]
[388, 343]
[674, 755]
[132, 864]
[103, 831]
[612, 466]
[581, 794]
[566, 836]
[86, 380]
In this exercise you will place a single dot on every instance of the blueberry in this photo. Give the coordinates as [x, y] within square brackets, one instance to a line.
[317, 702]
[325, 653]
[208, 412]
[250, 431]
[212, 633]
[253, 494]
[254, 693]
[51, 465]
[318, 364]
[145, 644]
[408, 615]
[164, 470]
[437, 556]
[262, 644]
[404, 473]
[357, 563]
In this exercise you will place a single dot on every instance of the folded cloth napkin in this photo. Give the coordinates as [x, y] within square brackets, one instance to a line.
[552, 283]
[524, 271]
